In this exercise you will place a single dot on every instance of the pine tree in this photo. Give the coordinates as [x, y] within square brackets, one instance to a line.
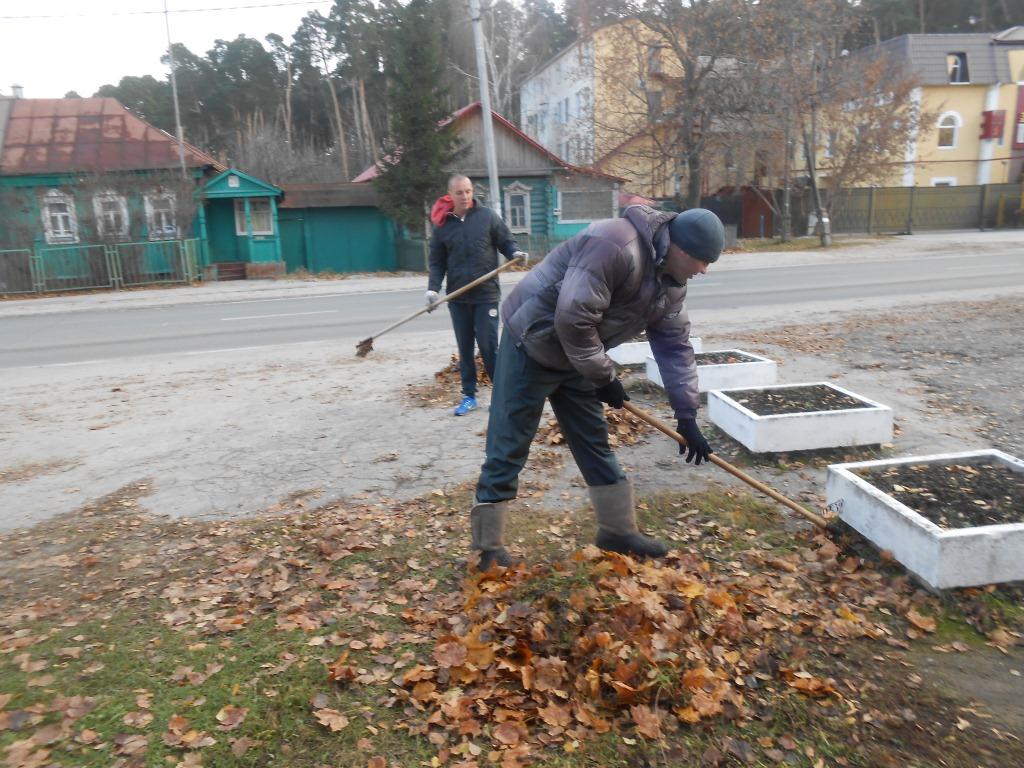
[419, 151]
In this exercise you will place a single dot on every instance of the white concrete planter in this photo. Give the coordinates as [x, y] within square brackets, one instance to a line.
[637, 352]
[941, 558]
[755, 373]
[811, 430]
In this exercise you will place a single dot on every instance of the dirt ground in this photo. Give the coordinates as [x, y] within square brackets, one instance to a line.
[244, 436]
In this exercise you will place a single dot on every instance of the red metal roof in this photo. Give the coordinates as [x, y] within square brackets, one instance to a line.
[374, 170]
[73, 135]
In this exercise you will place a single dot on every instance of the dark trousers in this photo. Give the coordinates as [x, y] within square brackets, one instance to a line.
[475, 323]
[517, 403]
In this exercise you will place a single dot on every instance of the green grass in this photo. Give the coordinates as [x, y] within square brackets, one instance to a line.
[142, 655]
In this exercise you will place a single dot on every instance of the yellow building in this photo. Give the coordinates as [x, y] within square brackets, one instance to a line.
[599, 102]
[973, 85]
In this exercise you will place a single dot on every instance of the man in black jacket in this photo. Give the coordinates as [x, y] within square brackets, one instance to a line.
[464, 246]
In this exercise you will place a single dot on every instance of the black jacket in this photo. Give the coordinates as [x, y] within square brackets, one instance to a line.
[464, 249]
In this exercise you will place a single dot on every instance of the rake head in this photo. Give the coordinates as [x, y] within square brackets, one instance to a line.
[364, 347]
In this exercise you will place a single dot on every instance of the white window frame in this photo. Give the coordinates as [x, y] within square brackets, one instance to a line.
[944, 181]
[518, 188]
[240, 225]
[109, 196]
[157, 232]
[957, 125]
[961, 68]
[61, 236]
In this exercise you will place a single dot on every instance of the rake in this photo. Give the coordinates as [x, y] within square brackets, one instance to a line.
[661, 426]
[365, 347]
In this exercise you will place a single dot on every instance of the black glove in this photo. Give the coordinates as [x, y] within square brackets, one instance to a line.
[612, 393]
[696, 445]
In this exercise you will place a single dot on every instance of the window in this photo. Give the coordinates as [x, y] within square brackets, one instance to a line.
[111, 211]
[653, 59]
[949, 127]
[944, 181]
[517, 207]
[565, 109]
[830, 144]
[160, 216]
[956, 66]
[259, 210]
[585, 205]
[654, 108]
[59, 220]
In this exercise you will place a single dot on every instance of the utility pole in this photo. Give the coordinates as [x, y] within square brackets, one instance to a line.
[174, 93]
[823, 226]
[494, 192]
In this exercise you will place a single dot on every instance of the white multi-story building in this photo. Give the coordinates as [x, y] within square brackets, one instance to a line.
[557, 104]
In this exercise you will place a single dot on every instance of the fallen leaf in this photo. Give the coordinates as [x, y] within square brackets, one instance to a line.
[332, 719]
[241, 745]
[648, 721]
[451, 654]
[926, 623]
[507, 733]
[230, 717]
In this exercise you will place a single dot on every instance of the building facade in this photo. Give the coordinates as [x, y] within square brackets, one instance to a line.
[974, 86]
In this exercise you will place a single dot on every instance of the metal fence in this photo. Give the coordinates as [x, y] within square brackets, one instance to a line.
[886, 210]
[54, 268]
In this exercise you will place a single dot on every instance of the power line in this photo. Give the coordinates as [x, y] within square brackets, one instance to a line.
[160, 13]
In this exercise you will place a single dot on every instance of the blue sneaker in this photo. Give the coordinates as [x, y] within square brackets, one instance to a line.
[468, 404]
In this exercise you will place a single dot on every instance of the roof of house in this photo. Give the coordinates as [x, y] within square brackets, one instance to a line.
[557, 163]
[329, 195]
[74, 135]
[925, 55]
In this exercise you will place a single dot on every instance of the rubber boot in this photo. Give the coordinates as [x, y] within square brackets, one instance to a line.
[616, 522]
[487, 522]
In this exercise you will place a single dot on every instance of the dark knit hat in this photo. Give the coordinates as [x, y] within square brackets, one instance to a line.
[699, 232]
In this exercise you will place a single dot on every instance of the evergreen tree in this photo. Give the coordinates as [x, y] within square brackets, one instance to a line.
[419, 150]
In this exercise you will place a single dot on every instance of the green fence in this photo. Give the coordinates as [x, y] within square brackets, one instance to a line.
[885, 210]
[17, 272]
[59, 268]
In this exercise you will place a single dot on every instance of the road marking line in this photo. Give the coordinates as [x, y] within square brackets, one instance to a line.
[282, 314]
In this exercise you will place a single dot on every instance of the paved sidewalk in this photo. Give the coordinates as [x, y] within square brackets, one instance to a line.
[865, 249]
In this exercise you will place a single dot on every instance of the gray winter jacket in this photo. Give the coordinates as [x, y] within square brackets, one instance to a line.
[600, 289]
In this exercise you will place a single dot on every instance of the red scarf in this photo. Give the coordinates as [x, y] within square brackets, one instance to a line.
[441, 209]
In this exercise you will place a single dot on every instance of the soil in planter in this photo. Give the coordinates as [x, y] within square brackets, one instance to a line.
[960, 495]
[723, 358]
[774, 402]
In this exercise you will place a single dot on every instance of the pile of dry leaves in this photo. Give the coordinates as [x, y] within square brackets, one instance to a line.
[623, 429]
[557, 654]
[446, 384]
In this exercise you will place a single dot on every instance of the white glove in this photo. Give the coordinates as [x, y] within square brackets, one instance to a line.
[432, 298]
[522, 255]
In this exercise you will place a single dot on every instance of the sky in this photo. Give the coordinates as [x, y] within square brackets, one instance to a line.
[83, 45]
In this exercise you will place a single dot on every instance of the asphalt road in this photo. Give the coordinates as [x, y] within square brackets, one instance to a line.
[72, 338]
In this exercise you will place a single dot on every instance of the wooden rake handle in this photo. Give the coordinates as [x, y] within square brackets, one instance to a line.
[662, 426]
[448, 297]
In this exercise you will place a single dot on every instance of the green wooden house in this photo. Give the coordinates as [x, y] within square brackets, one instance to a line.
[92, 196]
[544, 199]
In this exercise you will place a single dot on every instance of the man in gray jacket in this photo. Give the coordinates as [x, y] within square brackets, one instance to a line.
[600, 288]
